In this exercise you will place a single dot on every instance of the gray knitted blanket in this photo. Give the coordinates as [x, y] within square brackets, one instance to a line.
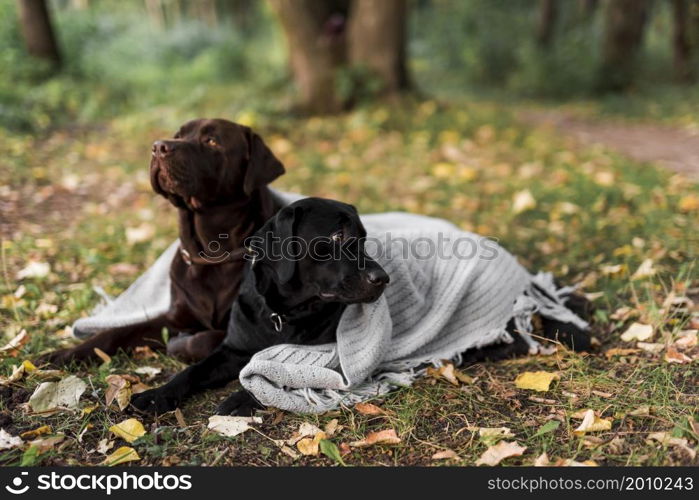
[450, 291]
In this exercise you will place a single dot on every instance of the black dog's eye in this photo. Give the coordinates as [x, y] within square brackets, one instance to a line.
[211, 141]
[338, 236]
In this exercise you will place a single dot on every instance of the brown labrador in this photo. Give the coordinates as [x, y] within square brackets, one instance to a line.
[216, 173]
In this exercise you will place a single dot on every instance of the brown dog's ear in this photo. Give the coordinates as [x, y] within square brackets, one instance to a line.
[263, 166]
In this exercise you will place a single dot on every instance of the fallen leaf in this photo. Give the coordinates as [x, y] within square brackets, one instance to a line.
[89, 409]
[491, 435]
[8, 441]
[104, 446]
[330, 450]
[139, 234]
[144, 352]
[686, 339]
[231, 426]
[45, 444]
[18, 371]
[536, 381]
[332, 427]
[610, 353]
[446, 372]
[180, 418]
[549, 426]
[311, 446]
[542, 460]
[666, 439]
[368, 409]
[102, 355]
[637, 331]
[54, 396]
[651, 347]
[689, 203]
[569, 462]
[289, 451]
[387, 436]
[592, 423]
[119, 390]
[12, 348]
[641, 411]
[149, 371]
[34, 269]
[645, 270]
[499, 452]
[121, 455]
[672, 355]
[129, 430]
[44, 429]
[523, 201]
[445, 455]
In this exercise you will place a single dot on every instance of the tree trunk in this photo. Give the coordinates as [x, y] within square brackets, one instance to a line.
[377, 41]
[681, 43]
[625, 22]
[317, 49]
[37, 30]
[548, 12]
[588, 7]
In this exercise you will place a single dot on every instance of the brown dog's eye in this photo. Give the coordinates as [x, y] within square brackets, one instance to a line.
[210, 141]
[338, 237]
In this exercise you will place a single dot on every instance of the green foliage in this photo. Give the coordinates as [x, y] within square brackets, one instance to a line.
[116, 60]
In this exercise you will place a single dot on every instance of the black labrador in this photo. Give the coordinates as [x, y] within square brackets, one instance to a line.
[300, 301]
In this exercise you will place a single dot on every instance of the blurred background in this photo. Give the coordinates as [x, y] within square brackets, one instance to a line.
[566, 129]
[64, 61]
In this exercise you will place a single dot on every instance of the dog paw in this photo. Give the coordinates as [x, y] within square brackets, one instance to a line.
[240, 403]
[154, 401]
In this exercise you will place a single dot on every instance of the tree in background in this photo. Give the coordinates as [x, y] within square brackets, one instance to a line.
[37, 30]
[681, 40]
[625, 23]
[548, 12]
[366, 37]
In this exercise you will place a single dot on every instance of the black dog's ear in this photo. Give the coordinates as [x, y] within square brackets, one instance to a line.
[284, 228]
[263, 167]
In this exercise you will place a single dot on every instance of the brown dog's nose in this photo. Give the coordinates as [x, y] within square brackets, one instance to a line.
[161, 148]
[377, 277]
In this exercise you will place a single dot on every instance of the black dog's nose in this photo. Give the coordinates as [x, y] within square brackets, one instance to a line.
[161, 148]
[377, 277]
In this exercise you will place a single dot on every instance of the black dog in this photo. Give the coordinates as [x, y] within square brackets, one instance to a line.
[283, 301]
[300, 301]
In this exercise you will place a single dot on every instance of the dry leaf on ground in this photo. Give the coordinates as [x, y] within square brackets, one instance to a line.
[536, 381]
[592, 423]
[368, 409]
[119, 390]
[121, 455]
[542, 460]
[445, 455]
[231, 426]
[39, 431]
[50, 397]
[686, 339]
[311, 446]
[666, 439]
[12, 348]
[499, 452]
[491, 435]
[672, 355]
[8, 441]
[637, 331]
[129, 430]
[387, 436]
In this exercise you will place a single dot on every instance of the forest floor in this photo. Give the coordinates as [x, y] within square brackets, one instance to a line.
[670, 146]
[78, 213]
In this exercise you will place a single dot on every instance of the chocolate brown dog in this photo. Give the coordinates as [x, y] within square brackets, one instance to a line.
[216, 173]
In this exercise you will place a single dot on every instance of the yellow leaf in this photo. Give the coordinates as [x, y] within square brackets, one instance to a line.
[311, 446]
[102, 355]
[130, 430]
[44, 429]
[121, 455]
[689, 203]
[536, 381]
[592, 423]
[89, 409]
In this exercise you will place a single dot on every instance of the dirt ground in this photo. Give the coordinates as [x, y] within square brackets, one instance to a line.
[674, 148]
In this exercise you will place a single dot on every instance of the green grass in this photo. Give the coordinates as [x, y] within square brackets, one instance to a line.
[69, 196]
